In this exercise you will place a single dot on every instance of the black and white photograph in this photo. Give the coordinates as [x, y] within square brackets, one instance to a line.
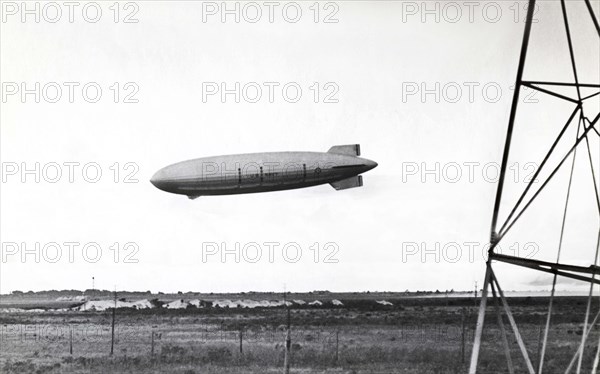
[306, 186]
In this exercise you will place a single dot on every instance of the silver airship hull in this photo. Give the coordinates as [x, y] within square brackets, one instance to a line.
[264, 172]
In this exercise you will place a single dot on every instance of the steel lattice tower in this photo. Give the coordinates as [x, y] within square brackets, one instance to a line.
[587, 126]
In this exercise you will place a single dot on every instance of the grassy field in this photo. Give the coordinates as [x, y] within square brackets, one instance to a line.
[415, 335]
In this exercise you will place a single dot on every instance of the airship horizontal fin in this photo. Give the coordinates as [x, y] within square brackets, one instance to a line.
[351, 182]
[349, 149]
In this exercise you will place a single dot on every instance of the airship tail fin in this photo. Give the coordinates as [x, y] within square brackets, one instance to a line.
[349, 149]
[351, 182]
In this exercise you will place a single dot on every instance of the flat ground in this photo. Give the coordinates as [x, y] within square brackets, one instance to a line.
[415, 335]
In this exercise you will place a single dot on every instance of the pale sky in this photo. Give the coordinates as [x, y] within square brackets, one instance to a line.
[375, 63]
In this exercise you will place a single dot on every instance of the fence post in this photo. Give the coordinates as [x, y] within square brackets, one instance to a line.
[152, 344]
[539, 347]
[112, 333]
[462, 338]
[337, 345]
[288, 344]
[241, 340]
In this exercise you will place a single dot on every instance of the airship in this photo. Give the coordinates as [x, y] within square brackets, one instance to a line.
[340, 166]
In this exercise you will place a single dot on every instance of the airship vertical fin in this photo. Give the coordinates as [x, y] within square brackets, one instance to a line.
[351, 182]
[349, 149]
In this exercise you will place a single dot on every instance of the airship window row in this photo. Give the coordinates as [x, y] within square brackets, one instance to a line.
[262, 176]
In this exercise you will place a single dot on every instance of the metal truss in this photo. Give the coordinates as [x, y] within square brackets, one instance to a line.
[586, 126]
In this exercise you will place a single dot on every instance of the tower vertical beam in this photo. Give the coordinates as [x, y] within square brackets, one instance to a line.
[511, 369]
[480, 319]
[587, 310]
[493, 234]
[560, 244]
[513, 324]
[511, 120]
[568, 30]
[586, 333]
[597, 357]
[593, 16]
